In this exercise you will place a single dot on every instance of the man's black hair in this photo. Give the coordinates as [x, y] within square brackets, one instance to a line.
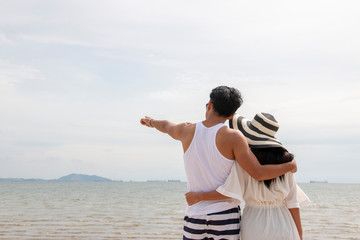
[226, 100]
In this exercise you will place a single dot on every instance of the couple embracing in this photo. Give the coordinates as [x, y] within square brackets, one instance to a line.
[227, 165]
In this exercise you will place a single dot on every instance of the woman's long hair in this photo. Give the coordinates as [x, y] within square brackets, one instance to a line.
[273, 155]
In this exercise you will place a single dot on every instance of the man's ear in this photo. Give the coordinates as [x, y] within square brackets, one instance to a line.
[229, 118]
[209, 105]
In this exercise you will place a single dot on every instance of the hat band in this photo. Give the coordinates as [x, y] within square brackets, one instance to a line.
[263, 144]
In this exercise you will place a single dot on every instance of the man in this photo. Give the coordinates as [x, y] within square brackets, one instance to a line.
[210, 149]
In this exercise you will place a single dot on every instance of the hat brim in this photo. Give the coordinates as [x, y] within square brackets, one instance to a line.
[254, 137]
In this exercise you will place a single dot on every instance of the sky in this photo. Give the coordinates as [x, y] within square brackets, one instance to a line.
[77, 76]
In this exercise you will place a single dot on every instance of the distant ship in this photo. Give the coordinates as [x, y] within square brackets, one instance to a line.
[173, 180]
[318, 181]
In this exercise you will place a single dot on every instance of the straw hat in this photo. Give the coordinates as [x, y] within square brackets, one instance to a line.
[259, 132]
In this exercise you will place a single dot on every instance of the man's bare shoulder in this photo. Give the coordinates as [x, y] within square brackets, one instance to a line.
[180, 131]
[231, 132]
[232, 135]
[188, 131]
[230, 141]
[188, 126]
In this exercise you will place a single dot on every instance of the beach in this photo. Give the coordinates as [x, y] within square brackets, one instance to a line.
[146, 210]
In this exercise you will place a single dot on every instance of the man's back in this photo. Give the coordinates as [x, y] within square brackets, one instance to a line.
[206, 168]
[224, 138]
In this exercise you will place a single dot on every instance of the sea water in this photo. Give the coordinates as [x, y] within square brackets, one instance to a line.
[146, 210]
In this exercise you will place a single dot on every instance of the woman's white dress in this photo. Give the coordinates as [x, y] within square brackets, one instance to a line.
[266, 214]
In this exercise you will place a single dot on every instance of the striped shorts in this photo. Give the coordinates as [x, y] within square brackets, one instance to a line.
[223, 225]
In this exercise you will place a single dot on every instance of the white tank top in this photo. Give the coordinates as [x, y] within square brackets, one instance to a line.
[206, 169]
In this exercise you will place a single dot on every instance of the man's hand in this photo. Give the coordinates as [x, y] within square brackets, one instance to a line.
[192, 198]
[146, 121]
[295, 166]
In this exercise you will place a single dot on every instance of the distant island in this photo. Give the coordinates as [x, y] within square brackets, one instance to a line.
[83, 178]
[318, 181]
[69, 178]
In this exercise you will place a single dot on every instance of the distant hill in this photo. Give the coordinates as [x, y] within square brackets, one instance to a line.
[69, 178]
[82, 178]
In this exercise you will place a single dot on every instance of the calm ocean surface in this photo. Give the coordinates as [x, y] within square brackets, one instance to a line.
[146, 210]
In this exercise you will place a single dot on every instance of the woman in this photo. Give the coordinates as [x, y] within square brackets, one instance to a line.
[272, 206]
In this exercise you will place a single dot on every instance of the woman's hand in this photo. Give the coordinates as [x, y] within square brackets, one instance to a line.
[192, 198]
